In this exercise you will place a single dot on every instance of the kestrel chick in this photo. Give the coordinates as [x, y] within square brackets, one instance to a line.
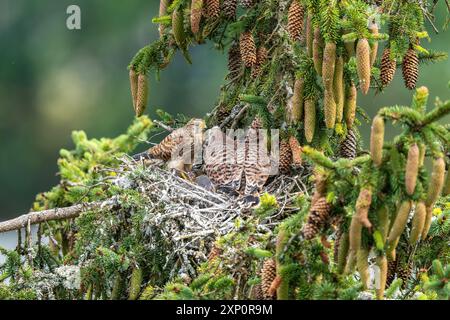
[179, 144]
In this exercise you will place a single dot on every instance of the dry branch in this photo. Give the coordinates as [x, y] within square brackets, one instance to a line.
[49, 215]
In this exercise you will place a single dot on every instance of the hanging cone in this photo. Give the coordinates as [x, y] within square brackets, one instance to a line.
[318, 51]
[428, 221]
[285, 157]
[178, 28]
[328, 65]
[363, 64]
[329, 109]
[339, 88]
[400, 221]
[310, 119]
[234, 60]
[141, 95]
[362, 207]
[317, 218]
[261, 59]
[404, 272]
[363, 267]
[296, 111]
[196, 15]
[436, 182]
[133, 86]
[391, 272]
[295, 20]
[374, 48]
[383, 266]
[418, 223]
[229, 8]
[248, 49]
[296, 151]
[163, 5]
[350, 106]
[410, 68]
[388, 68]
[377, 140]
[412, 169]
[268, 274]
[213, 9]
[348, 147]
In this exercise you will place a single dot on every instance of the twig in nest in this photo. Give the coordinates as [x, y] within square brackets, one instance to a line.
[162, 125]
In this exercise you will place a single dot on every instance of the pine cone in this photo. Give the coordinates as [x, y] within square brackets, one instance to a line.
[296, 151]
[256, 293]
[247, 3]
[141, 95]
[410, 68]
[388, 67]
[196, 15]
[213, 9]
[404, 272]
[268, 274]
[318, 216]
[350, 106]
[310, 119]
[363, 64]
[295, 20]
[285, 160]
[178, 28]
[163, 5]
[348, 146]
[261, 59]
[133, 86]
[374, 49]
[229, 8]
[392, 270]
[248, 49]
[234, 60]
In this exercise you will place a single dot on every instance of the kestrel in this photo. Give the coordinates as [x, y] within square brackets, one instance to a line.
[178, 147]
[237, 163]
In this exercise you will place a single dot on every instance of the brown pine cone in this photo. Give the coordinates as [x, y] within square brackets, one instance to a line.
[234, 60]
[268, 274]
[392, 270]
[229, 8]
[404, 272]
[248, 49]
[213, 9]
[387, 68]
[256, 293]
[285, 160]
[348, 147]
[196, 15]
[410, 68]
[318, 217]
[295, 20]
[261, 59]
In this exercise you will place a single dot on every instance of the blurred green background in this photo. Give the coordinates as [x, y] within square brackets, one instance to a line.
[54, 80]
